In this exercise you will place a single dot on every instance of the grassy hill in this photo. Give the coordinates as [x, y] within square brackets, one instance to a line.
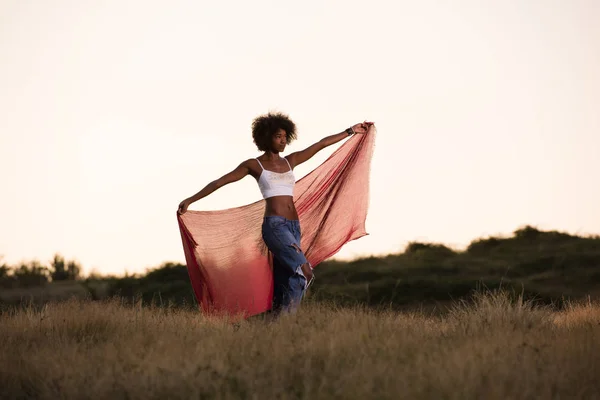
[546, 265]
[549, 266]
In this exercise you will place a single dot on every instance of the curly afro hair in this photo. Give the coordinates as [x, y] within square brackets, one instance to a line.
[265, 126]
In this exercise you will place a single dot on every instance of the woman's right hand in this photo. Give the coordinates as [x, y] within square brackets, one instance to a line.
[183, 206]
[362, 127]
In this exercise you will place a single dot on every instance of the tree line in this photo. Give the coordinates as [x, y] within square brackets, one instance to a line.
[33, 273]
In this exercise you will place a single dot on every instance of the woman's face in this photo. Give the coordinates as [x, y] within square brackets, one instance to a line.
[278, 141]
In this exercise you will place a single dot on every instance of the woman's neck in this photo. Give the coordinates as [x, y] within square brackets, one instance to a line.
[271, 156]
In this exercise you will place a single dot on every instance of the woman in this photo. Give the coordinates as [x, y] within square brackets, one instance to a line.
[292, 273]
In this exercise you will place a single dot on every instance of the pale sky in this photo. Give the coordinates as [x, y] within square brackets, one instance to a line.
[112, 112]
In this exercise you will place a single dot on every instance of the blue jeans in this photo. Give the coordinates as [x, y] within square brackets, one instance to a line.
[282, 237]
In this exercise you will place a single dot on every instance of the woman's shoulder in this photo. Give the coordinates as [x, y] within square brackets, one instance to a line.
[251, 161]
[253, 166]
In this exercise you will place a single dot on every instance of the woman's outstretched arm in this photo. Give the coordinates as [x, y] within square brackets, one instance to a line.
[241, 171]
[299, 157]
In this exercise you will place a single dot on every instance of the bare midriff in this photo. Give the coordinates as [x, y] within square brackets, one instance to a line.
[282, 206]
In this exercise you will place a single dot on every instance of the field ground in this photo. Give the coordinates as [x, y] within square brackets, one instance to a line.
[495, 346]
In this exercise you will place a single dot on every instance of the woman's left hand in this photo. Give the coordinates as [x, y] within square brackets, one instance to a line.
[362, 127]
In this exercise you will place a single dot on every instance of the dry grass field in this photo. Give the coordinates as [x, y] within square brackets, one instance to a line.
[494, 347]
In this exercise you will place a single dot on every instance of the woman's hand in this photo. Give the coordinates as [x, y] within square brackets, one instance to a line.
[183, 206]
[362, 127]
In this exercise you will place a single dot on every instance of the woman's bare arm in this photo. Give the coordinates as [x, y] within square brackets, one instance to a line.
[299, 157]
[238, 173]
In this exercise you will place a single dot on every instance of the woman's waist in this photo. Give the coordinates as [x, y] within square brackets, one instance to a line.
[287, 213]
[280, 204]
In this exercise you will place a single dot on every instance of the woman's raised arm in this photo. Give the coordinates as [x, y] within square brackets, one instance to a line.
[301, 156]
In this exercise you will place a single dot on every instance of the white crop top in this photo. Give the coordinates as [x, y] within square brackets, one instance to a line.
[276, 183]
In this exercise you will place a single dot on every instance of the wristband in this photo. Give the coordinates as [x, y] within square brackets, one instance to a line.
[349, 131]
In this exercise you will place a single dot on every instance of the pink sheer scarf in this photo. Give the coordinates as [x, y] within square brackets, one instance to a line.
[228, 262]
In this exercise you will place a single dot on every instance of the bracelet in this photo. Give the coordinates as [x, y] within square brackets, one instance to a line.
[349, 131]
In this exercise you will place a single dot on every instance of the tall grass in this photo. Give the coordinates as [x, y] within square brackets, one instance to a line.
[496, 346]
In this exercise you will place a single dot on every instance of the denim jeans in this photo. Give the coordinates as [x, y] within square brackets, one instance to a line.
[282, 237]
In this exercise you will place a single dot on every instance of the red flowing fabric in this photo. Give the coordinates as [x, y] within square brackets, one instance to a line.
[229, 265]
